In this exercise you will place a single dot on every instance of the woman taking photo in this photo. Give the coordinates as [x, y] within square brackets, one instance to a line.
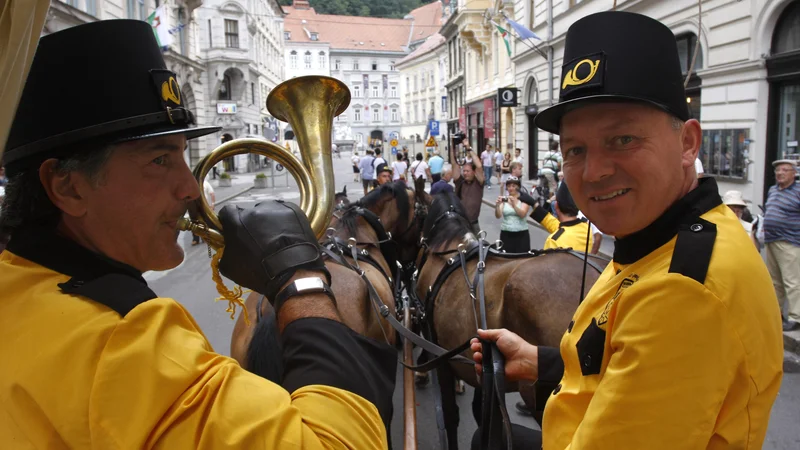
[514, 229]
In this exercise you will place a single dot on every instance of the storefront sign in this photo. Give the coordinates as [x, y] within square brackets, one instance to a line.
[488, 118]
[507, 97]
[226, 108]
[462, 118]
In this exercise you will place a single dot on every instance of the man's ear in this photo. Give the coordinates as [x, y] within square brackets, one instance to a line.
[691, 139]
[64, 188]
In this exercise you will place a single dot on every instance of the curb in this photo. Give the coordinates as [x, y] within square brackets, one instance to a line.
[233, 195]
[537, 225]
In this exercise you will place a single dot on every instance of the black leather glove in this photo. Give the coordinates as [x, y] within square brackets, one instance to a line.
[266, 245]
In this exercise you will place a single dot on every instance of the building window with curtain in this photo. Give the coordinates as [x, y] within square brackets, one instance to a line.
[391, 66]
[307, 59]
[337, 64]
[293, 59]
[225, 88]
[322, 60]
[393, 90]
[357, 114]
[375, 91]
[181, 29]
[357, 90]
[376, 113]
[355, 64]
[231, 33]
[395, 118]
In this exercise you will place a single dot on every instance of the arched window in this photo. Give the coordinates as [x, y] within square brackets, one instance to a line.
[225, 88]
[322, 60]
[293, 59]
[307, 59]
[533, 92]
[787, 33]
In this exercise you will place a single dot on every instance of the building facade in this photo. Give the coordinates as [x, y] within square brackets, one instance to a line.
[744, 89]
[487, 68]
[181, 55]
[454, 79]
[241, 45]
[363, 52]
[422, 89]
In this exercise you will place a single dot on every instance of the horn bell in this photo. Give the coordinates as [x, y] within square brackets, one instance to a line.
[309, 104]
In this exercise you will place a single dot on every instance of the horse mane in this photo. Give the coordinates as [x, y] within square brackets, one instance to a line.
[446, 228]
[396, 189]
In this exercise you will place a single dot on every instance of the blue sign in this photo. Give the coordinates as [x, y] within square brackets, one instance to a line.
[394, 150]
[434, 127]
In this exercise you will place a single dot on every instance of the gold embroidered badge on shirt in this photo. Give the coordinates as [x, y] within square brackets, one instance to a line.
[626, 283]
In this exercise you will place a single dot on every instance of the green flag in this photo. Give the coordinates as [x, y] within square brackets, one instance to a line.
[504, 33]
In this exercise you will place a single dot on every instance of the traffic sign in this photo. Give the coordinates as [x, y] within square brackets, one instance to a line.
[434, 127]
[431, 142]
[394, 149]
[393, 142]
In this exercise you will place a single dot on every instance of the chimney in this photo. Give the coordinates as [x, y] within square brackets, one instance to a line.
[301, 4]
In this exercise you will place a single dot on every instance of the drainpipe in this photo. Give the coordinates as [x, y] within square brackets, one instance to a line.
[550, 51]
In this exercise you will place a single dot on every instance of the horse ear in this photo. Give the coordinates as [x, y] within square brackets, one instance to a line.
[344, 191]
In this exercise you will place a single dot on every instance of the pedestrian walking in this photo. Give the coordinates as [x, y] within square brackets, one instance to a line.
[782, 238]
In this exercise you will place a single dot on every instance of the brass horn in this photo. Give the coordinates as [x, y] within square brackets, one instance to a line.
[309, 105]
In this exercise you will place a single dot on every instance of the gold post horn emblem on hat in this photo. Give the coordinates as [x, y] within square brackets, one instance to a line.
[570, 79]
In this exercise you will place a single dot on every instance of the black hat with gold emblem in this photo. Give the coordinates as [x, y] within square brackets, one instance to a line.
[618, 56]
[100, 83]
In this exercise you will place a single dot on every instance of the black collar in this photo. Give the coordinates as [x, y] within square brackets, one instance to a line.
[686, 210]
[46, 248]
[571, 223]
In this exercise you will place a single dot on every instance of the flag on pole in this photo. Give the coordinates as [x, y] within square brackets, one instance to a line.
[522, 31]
[160, 23]
[504, 33]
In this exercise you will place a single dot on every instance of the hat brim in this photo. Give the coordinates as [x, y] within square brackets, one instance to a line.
[550, 119]
[190, 133]
[791, 162]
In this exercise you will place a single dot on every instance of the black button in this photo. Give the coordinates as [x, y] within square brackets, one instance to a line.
[557, 389]
[696, 227]
[571, 324]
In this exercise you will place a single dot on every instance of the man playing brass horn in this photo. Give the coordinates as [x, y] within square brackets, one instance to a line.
[678, 344]
[95, 359]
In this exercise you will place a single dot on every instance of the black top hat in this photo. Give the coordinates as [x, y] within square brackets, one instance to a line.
[383, 167]
[102, 82]
[618, 56]
[565, 201]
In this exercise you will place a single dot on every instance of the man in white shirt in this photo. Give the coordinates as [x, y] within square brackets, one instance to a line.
[487, 159]
[356, 171]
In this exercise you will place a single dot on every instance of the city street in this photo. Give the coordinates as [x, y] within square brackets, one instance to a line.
[191, 284]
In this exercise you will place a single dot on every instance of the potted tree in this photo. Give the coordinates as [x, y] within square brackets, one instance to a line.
[225, 180]
[260, 181]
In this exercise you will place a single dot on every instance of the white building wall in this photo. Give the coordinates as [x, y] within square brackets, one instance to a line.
[320, 60]
[366, 102]
[416, 103]
[735, 37]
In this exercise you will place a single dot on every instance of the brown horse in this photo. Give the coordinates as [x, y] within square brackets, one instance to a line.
[534, 297]
[255, 347]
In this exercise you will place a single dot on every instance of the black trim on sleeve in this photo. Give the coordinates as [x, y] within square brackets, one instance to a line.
[557, 234]
[538, 214]
[693, 250]
[119, 292]
[326, 352]
[551, 370]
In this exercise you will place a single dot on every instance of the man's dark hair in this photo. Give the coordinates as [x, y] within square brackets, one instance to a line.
[26, 203]
[554, 146]
[377, 151]
[419, 156]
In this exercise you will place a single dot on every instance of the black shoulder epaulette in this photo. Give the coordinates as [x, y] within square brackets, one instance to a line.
[117, 291]
[693, 249]
[557, 234]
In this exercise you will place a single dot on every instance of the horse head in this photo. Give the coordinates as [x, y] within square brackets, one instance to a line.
[446, 222]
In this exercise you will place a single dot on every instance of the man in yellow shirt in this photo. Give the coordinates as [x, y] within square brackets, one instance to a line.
[566, 231]
[92, 357]
[678, 344]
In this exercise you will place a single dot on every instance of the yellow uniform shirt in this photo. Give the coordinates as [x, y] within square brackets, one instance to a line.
[678, 345]
[78, 374]
[570, 234]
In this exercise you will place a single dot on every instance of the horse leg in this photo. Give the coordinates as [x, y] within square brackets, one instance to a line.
[447, 388]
